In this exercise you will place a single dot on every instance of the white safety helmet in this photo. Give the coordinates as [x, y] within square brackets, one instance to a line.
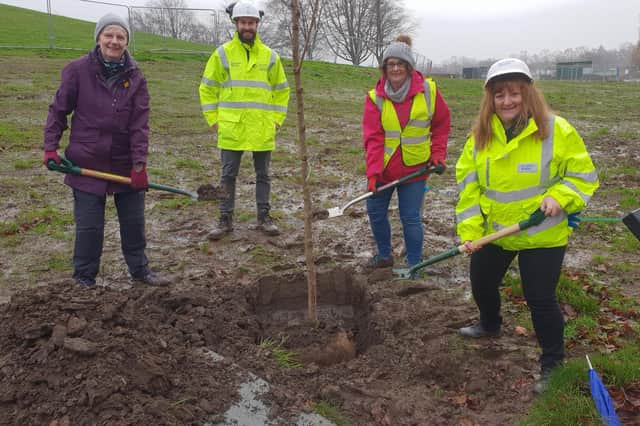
[244, 9]
[508, 66]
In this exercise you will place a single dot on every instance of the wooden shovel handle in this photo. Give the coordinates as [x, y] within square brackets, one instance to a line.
[105, 176]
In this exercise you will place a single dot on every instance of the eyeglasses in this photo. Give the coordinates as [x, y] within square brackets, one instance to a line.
[392, 64]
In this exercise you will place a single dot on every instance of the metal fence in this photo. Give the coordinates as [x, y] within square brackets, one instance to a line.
[152, 28]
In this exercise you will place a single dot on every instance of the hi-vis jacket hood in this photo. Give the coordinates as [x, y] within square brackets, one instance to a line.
[505, 182]
[244, 90]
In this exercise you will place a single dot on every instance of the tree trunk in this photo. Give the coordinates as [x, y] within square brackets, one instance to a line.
[304, 165]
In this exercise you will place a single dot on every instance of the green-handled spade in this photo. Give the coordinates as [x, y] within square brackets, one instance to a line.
[66, 166]
[536, 218]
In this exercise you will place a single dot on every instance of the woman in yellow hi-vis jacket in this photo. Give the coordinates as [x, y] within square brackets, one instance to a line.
[520, 157]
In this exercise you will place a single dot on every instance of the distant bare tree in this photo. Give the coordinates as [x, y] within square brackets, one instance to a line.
[167, 18]
[389, 19]
[277, 28]
[347, 26]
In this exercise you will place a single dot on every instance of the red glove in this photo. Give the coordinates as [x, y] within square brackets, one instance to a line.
[434, 161]
[51, 155]
[139, 179]
[372, 184]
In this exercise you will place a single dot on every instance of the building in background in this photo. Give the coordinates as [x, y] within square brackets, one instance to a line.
[575, 70]
[479, 72]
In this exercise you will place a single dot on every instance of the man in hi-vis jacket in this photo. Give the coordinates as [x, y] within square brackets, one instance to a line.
[244, 96]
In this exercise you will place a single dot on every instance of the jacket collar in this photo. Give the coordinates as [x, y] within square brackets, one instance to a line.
[417, 85]
[500, 136]
[130, 63]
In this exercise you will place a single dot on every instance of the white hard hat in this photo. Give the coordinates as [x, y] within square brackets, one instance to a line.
[244, 9]
[508, 66]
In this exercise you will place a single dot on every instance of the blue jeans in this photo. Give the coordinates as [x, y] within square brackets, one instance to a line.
[88, 212]
[410, 200]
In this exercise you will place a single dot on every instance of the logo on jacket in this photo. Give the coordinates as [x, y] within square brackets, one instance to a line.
[527, 168]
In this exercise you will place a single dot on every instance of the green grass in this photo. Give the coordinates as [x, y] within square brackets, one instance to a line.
[572, 292]
[284, 358]
[329, 411]
[44, 220]
[568, 401]
[27, 28]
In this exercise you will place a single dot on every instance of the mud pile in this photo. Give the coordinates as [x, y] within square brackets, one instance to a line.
[115, 357]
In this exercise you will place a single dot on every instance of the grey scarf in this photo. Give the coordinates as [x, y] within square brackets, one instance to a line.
[397, 96]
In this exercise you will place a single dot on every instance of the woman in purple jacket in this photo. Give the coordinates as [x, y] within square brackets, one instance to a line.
[107, 94]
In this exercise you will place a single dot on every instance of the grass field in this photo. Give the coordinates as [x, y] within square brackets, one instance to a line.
[35, 216]
[27, 28]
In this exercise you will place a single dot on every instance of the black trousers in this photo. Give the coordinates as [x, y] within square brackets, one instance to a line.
[88, 212]
[539, 272]
[230, 167]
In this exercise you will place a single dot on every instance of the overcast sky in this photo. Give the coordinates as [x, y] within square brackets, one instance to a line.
[471, 28]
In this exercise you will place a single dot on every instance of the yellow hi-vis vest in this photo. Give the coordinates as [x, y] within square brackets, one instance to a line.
[244, 90]
[415, 139]
[506, 181]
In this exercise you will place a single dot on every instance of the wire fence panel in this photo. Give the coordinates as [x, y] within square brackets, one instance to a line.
[153, 29]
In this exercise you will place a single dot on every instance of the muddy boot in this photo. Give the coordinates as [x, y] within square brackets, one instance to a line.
[478, 330]
[152, 279]
[225, 225]
[378, 261]
[265, 223]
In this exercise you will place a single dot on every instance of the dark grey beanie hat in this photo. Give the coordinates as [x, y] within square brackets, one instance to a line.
[400, 50]
[110, 19]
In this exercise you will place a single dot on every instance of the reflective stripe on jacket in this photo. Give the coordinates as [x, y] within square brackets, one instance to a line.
[415, 139]
[505, 182]
[244, 90]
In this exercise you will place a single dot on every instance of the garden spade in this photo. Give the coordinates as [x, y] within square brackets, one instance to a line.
[339, 211]
[536, 218]
[66, 166]
[631, 221]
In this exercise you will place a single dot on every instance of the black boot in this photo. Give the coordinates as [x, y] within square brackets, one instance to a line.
[225, 225]
[265, 223]
[478, 330]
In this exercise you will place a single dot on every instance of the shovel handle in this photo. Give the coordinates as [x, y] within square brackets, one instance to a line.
[66, 166]
[535, 218]
[438, 168]
[105, 176]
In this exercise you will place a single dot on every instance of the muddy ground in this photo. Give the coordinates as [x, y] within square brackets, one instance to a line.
[384, 352]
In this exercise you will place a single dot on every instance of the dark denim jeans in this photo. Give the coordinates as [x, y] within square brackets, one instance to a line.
[410, 200]
[88, 212]
[230, 166]
[539, 271]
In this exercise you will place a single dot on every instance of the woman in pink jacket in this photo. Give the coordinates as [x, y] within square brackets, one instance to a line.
[405, 125]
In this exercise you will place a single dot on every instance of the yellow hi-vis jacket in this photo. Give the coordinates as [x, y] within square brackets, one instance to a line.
[244, 90]
[504, 183]
[415, 139]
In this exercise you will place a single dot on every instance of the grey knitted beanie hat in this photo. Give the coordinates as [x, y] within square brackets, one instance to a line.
[400, 50]
[110, 19]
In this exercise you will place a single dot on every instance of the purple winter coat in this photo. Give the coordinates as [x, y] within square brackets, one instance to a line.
[109, 126]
